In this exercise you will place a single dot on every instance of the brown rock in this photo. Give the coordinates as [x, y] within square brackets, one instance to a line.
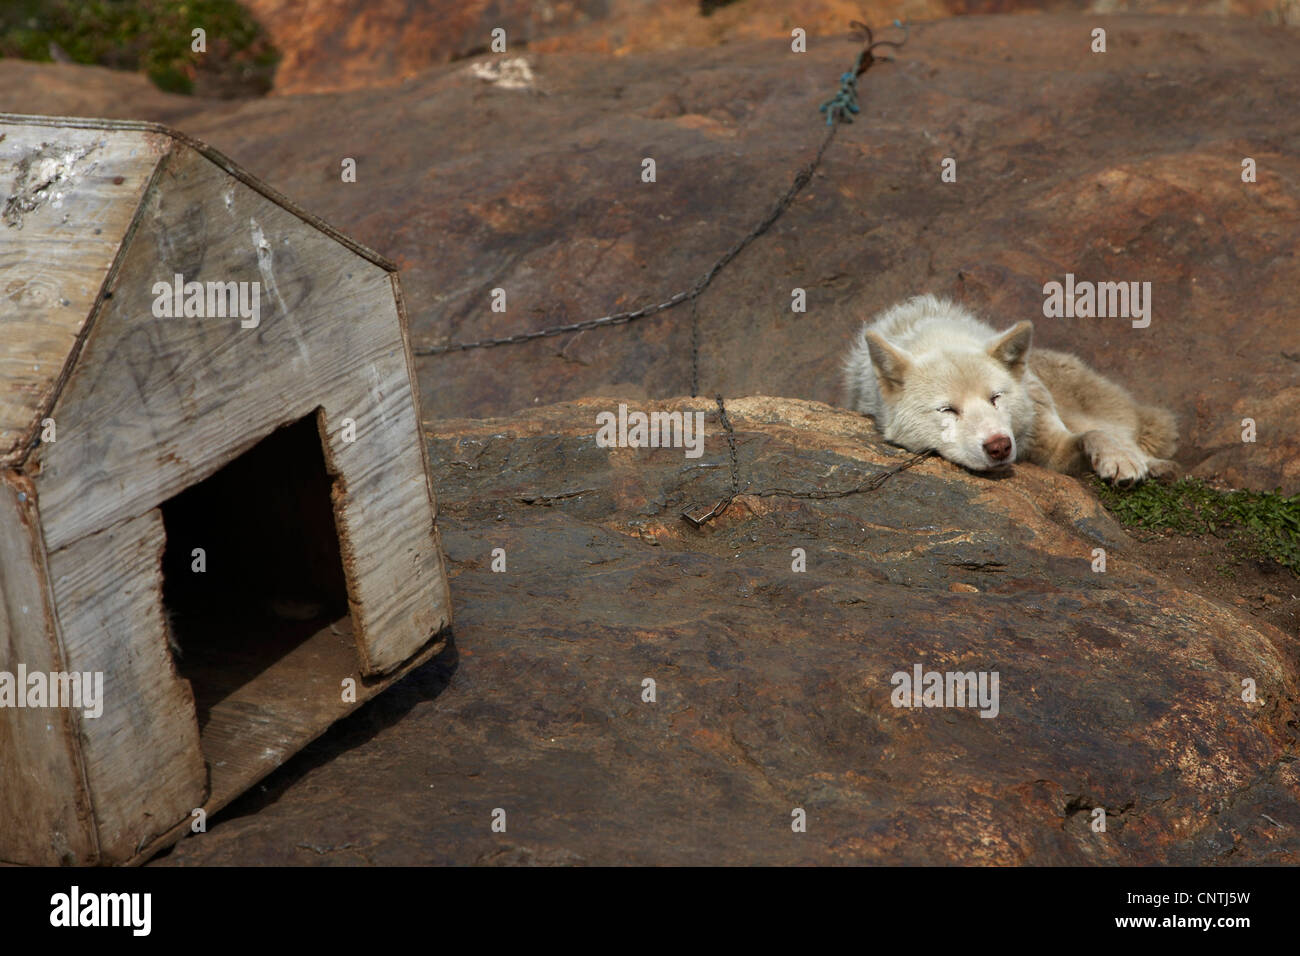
[344, 44]
[59, 89]
[333, 45]
[773, 686]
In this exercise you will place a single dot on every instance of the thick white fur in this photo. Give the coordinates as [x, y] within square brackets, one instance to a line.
[934, 376]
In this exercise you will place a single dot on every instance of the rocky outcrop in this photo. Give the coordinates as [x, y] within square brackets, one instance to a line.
[65, 89]
[332, 45]
[773, 686]
[1123, 166]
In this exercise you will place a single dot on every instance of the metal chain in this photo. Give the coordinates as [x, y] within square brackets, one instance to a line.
[801, 179]
[871, 484]
[695, 346]
[839, 109]
[617, 318]
[725, 502]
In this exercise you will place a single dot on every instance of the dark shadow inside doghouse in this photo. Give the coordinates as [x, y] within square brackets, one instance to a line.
[256, 597]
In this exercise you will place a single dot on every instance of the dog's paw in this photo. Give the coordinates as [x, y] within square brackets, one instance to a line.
[1116, 460]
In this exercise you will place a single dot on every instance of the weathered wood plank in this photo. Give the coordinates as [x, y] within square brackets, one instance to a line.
[156, 404]
[142, 757]
[235, 778]
[67, 197]
[255, 726]
[45, 815]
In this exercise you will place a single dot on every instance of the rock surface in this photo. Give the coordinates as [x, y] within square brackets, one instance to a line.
[773, 686]
[347, 44]
[1117, 167]
[1118, 690]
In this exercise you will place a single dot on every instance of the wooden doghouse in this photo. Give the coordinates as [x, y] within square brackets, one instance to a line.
[225, 514]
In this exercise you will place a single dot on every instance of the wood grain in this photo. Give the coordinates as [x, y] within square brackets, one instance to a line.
[142, 757]
[45, 815]
[67, 198]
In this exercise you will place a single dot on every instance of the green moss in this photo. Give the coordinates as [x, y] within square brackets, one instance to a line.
[1266, 524]
[153, 36]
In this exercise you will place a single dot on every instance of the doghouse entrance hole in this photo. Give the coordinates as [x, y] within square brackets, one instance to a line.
[262, 611]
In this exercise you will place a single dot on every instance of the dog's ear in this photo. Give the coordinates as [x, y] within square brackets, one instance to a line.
[1011, 348]
[891, 364]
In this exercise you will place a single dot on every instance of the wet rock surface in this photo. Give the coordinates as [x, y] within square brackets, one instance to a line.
[1117, 690]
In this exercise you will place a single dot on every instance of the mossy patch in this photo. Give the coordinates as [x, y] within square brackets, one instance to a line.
[153, 36]
[1266, 524]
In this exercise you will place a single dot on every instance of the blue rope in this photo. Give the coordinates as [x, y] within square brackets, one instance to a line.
[843, 104]
[839, 106]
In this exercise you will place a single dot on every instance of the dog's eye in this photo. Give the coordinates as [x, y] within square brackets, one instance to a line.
[948, 408]
[993, 399]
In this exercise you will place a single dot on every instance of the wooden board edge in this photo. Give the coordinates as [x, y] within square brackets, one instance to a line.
[404, 325]
[215, 156]
[29, 515]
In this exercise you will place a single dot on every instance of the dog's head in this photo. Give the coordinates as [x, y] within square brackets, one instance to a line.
[968, 404]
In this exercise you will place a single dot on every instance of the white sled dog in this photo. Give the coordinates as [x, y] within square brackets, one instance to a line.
[933, 376]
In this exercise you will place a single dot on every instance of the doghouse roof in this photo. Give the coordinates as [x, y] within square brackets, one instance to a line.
[72, 191]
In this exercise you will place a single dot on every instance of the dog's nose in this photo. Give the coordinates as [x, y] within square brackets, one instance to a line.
[998, 447]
